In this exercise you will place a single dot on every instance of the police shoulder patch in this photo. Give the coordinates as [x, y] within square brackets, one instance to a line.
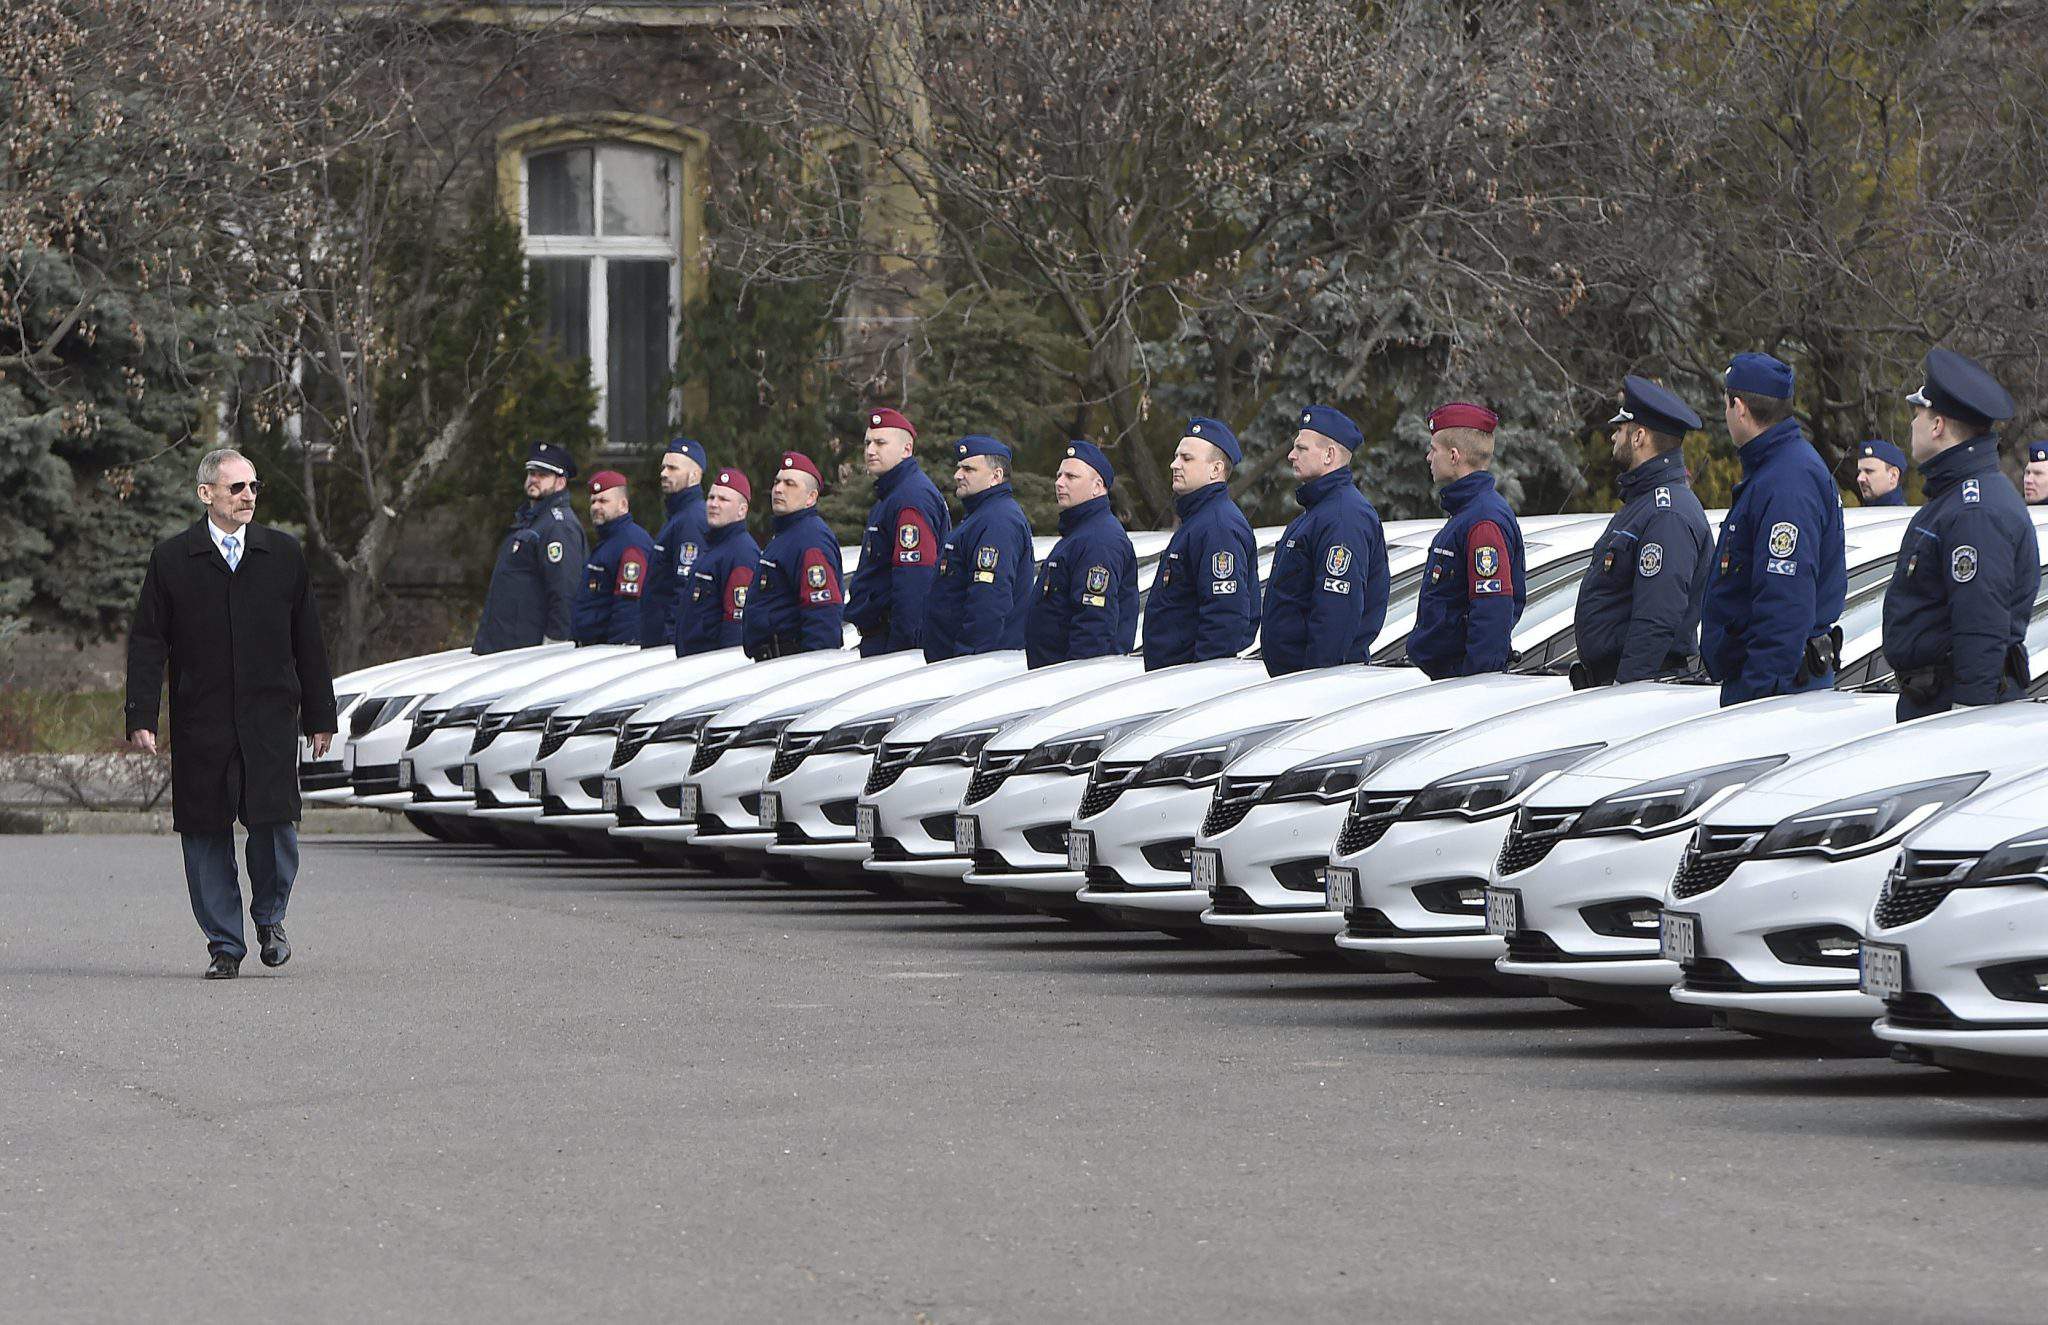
[1784, 538]
[555, 550]
[1962, 564]
[815, 574]
[1098, 579]
[1485, 560]
[906, 534]
[1651, 559]
[557, 513]
[1338, 560]
[987, 558]
[629, 571]
[1222, 564]
[1664, 496]
[1972, 494]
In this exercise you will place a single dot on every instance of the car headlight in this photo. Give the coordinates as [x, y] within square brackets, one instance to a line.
[1335, 777]
[1480, 793]
[956, 747]
[765, 731]
[532, 718]
[864, 735]
[1076, 752]
[2022, 859]
[606, 722]
[394, 706]
[465, 715]
[1667, 805]
[1200, 763]
[682, 727]
[1861, 824]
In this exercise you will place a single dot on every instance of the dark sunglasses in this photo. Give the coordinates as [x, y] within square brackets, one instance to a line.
[254, 485]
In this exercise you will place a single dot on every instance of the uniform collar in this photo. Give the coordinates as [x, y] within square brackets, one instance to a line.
[1972, 459]
[1767, 443]
[1075, 516]
[1459, 493]
[719, 533]
[784, 523]
[607, 532]
[534, 510]
[1665, 469]
[888, 481]
[1313, 491]
[677, 502]
[982, 498]
[1188, 503]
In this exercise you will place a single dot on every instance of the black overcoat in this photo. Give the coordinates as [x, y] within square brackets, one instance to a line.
[248, 674]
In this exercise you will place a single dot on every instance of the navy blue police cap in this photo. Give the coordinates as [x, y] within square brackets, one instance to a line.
[1216, 433]
[2037, 451]
[1759, 375]
[1644, 402]
[554, 459]
[1334, 424]
[1957, 386]
[975, 443]
[690, 447]
[1879, 449]
[1089, 454]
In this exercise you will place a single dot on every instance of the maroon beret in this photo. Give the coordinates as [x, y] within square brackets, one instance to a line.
[801, 463]
[606, 478]
[732, 478]
[1461, 415]
[889, 418]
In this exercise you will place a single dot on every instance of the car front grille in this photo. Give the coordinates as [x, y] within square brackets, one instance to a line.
[1369, 819]
[1106, 782]
[890, 762]
[1531, 836]
[364, 716]
[1233, 800]
[487, 729]
[632, 739]
[1917, 885]
[713, 743]
[791, 751]
[1711, 857]
[991, 769]
[554, 736]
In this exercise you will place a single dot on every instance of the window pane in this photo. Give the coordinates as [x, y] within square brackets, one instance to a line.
[558, 192]
[637, 382]
[636, 192]
[564, 286]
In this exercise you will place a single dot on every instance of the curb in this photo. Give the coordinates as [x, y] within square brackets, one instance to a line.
[343, 819]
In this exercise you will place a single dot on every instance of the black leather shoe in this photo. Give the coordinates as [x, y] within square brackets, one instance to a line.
[223, 967]
[277, 949]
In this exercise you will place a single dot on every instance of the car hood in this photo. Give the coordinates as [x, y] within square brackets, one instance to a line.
[1016, 697]
[1443, 707]
[1616, 712]
[729, 687]
[1794, 725]
[927, 684]
[1999, 810]
[1169, 688]
[816, 688]
[2001, 740]
[1287, 699]
[364, 679]
[655, 681]
[492, 676]
[569, 682]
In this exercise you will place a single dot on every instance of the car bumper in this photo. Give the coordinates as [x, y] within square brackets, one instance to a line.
[1948, 1003]
[815, 809]
[1737, 969]
[1022, 833]
[1143, 838]
[914, 823]
[1420, 859]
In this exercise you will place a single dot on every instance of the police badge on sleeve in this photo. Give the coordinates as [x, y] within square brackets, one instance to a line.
[1338, 561]
[1784, 539]
[986, 559]
[1651, 560]
[1962, 564]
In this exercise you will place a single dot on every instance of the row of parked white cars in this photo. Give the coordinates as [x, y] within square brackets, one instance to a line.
[1800, 865]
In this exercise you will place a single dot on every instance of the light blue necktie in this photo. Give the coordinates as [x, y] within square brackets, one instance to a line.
[232, 548]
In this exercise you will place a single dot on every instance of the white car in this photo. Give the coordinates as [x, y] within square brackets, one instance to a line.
[1410, 865]
[722, 790]
[823, 756]
[1958, 946]
[1262, 856]
[328, 779]
[1770, 898]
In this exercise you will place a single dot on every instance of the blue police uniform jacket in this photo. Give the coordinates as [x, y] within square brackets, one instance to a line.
[983, 585]
[1085, 604]
[676, 549]
[1472, 585]
[714, 604]
[1205, 601]
[1896, 497]
[535, 578]
[614, 578]
[1779, 573]
[899, 559]
[1327, 597]
[1962, 591]
[796, 602]
[1639, 604]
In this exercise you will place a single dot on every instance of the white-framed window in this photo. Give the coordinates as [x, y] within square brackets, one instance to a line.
[600, 225]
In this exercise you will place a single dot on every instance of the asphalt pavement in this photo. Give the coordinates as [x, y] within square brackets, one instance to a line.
[510, 1087]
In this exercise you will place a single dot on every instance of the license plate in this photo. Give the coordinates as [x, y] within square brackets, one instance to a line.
[689, 800]
[1080, 851]
[608, 794]
[865, 829]
[469, 778]
[966, 834]
[536, 784]
[1884, 970]
[1503, 911]
[1340, 888]
[1206, 865]
[771, 809]
[405, 774]
[1678, 937]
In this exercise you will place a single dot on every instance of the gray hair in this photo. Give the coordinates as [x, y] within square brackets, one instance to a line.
[210, 463]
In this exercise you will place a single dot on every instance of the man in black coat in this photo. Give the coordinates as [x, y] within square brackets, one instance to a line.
[227, 606]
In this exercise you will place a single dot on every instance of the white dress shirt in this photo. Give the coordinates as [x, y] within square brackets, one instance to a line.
[220, 537]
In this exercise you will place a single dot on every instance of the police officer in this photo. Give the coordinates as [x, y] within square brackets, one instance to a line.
[795, 603]
[1327, 597]
[983, 587]
[1880, 473]
[1767, 623]
[899, 551]
[681, 540]
[1962, 590]
[1472, 591]
[615, 575]
[1085, 604]
[1639, 606]
[715, 603]
[534, 579]
[1205, 602]
[2034, 478]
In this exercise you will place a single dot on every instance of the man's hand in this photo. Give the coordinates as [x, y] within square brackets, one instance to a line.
[143, 740]
[321, 740]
